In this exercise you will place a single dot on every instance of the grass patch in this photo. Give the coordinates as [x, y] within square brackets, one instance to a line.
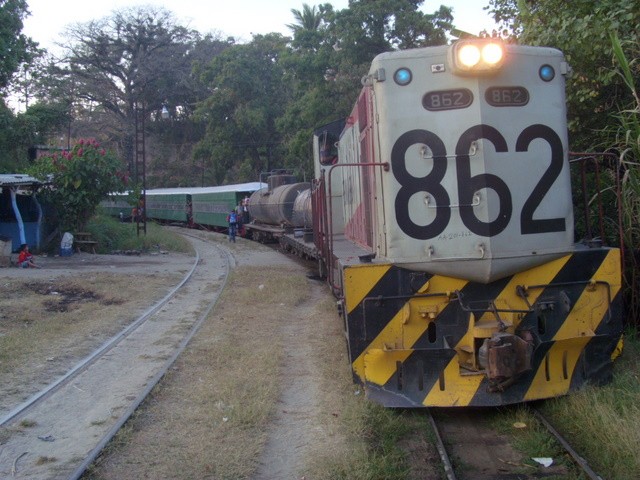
[375, 435]
[603, 423]
[26, 423]
[114, 235]
[209, 415]
[531, 437]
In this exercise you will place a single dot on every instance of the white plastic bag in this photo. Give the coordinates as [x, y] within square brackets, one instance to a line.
[67, 240]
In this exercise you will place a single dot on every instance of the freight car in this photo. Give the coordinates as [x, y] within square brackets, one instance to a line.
[443, 220]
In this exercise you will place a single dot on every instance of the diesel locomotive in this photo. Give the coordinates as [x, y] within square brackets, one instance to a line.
[441, 215]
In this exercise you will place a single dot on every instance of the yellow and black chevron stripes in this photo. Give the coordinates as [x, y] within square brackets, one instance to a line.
[580, 326]
[410, 335]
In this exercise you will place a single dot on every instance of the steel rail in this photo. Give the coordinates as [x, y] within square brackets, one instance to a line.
[444, 456]
[154, 381]
[582, 463]
[108, 345]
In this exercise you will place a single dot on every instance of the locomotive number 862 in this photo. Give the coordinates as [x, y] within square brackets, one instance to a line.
[444, 223]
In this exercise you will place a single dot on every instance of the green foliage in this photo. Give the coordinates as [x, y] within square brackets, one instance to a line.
[248, 95]
[21, 131]
[624, 134]
[581, 30]
[114, 235]
[382, 430]
[15, 48]
[79, 180]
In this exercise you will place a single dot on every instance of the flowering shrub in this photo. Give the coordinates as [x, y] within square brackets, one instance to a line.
[78, 180]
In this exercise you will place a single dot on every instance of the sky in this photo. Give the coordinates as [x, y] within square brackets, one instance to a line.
[237, 18]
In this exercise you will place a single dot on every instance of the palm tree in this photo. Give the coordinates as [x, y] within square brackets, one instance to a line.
[307, 19]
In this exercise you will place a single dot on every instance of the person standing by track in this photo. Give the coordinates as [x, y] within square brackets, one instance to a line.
[232, 220]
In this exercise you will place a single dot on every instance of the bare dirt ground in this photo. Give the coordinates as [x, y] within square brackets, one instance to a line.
[249, 396]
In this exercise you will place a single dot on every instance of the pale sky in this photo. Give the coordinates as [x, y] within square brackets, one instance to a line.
[238, 18]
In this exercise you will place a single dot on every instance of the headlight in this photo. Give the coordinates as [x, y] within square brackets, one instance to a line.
[476, 57]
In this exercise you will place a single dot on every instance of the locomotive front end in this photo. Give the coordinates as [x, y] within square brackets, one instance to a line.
[474, 292]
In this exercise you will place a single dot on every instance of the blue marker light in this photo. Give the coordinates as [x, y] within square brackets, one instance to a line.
[547, 73]
[402, 76]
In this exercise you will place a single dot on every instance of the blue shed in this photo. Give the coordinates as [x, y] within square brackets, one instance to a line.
[21, 216]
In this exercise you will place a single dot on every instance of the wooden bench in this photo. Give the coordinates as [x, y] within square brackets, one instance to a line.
[83, 240]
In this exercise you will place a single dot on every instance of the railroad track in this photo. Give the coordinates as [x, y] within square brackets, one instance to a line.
[482, 456]
[59, 432]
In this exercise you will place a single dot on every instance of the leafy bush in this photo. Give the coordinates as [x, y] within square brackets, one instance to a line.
[78, 180]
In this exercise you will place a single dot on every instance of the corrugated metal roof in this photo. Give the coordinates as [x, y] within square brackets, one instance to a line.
[17, 179]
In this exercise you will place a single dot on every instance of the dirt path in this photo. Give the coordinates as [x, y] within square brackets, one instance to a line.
[248, 397]
[294, 427]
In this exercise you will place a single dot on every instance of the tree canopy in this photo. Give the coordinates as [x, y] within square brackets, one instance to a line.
[15, 47]
[581, 29]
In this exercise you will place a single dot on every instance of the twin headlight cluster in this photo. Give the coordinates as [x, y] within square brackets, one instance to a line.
[465, 58]
[476, 57]
[472, 58]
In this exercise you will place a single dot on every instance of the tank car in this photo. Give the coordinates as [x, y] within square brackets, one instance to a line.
[443, 219]
[281, 209]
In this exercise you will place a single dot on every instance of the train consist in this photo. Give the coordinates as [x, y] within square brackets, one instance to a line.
[197, 206]
[441, 215]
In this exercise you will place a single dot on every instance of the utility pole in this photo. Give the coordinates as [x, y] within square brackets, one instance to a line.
[141, 167]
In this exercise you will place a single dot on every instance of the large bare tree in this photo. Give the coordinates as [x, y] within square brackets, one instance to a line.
[137, 57]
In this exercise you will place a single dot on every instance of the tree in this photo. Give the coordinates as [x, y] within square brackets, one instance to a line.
[581, 30]
[136, 57]
[78, 181]
[15, 47]
[15, 50]
[370, 27]
[308, 19]
[248, 94]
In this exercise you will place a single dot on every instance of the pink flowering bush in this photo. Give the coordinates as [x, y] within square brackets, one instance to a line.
[78, 180]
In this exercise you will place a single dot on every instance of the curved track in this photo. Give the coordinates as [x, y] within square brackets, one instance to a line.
[71, 420]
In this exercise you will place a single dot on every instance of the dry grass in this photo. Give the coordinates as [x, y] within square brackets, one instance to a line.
[211, 416]
[46, 326]
[208, 418]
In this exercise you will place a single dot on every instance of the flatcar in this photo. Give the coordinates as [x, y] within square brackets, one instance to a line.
[443, 220]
